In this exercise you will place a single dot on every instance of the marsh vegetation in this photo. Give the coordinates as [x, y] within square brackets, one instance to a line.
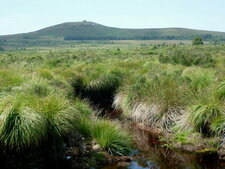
[48, 95]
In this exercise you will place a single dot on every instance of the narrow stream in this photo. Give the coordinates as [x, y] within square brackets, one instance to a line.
[149, 154]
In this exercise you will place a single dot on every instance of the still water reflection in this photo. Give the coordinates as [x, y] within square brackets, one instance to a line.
[149, 154]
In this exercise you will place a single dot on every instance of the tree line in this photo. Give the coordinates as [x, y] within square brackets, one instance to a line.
[150, 37]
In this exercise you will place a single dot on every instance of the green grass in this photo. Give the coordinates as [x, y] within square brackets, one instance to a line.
[107, 134]
[48, 92]
[9, 78]
[201, 115]
[220, 93]
[32, 113]
[20, 126]
[218, 126]
[111, 138]
[188, 57]
[199, 78]
[98, 91]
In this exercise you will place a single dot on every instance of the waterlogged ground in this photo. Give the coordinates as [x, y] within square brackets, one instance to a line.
[149, 154]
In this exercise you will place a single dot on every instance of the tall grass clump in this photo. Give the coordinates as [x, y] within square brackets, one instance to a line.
[101, 91]
[84, 125]
[36, 87]
[84, 121]
[59, 114]
[78, 84]
[157, 100]
[217, 125]
[198, 78]
[32, 114]
[45, 73]
[21, 127]
[168, 93]
[111, 137]
[98, 91]
[83, 107]
[220, 93]
[9, 79]
[204, 111]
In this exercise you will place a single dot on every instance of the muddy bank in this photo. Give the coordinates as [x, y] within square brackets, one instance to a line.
[85, 153]
[149, 152]
[164, 138]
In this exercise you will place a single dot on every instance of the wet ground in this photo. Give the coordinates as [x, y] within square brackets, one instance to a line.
[149, 154]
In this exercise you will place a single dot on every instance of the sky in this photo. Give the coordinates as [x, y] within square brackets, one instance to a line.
[20, 16]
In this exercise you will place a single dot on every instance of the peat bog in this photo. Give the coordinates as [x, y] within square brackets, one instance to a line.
[145, 105]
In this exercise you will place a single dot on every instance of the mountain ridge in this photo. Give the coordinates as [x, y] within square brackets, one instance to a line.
[85, 30]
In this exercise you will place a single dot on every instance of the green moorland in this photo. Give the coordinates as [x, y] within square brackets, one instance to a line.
[47, 93]
[66, 33]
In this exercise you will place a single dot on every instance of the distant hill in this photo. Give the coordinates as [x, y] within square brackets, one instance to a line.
[93, 31]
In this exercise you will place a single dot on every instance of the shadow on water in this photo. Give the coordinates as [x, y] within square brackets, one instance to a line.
[149, 154]
[41, 158]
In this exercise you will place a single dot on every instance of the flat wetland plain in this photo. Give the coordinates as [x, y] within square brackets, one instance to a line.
[74, 101]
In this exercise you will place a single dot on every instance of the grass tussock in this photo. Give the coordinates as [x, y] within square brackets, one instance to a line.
[109, 135]
[59, 115]
[98, 91]
[31, 114]
[20, 126]
[9, 79]
[220, 92]
[201, 115]
[111, 138]
[217, 125]
[198, 78]
[157, 101]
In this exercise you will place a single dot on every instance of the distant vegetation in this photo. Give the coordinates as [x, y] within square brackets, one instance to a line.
[188, 57]
[71, 31]
[1, 48]
[197, 41]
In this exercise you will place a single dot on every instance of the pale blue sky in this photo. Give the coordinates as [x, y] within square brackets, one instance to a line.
[17, 16]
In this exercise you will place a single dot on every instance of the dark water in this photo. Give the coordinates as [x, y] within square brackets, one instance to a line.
[149, 154]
